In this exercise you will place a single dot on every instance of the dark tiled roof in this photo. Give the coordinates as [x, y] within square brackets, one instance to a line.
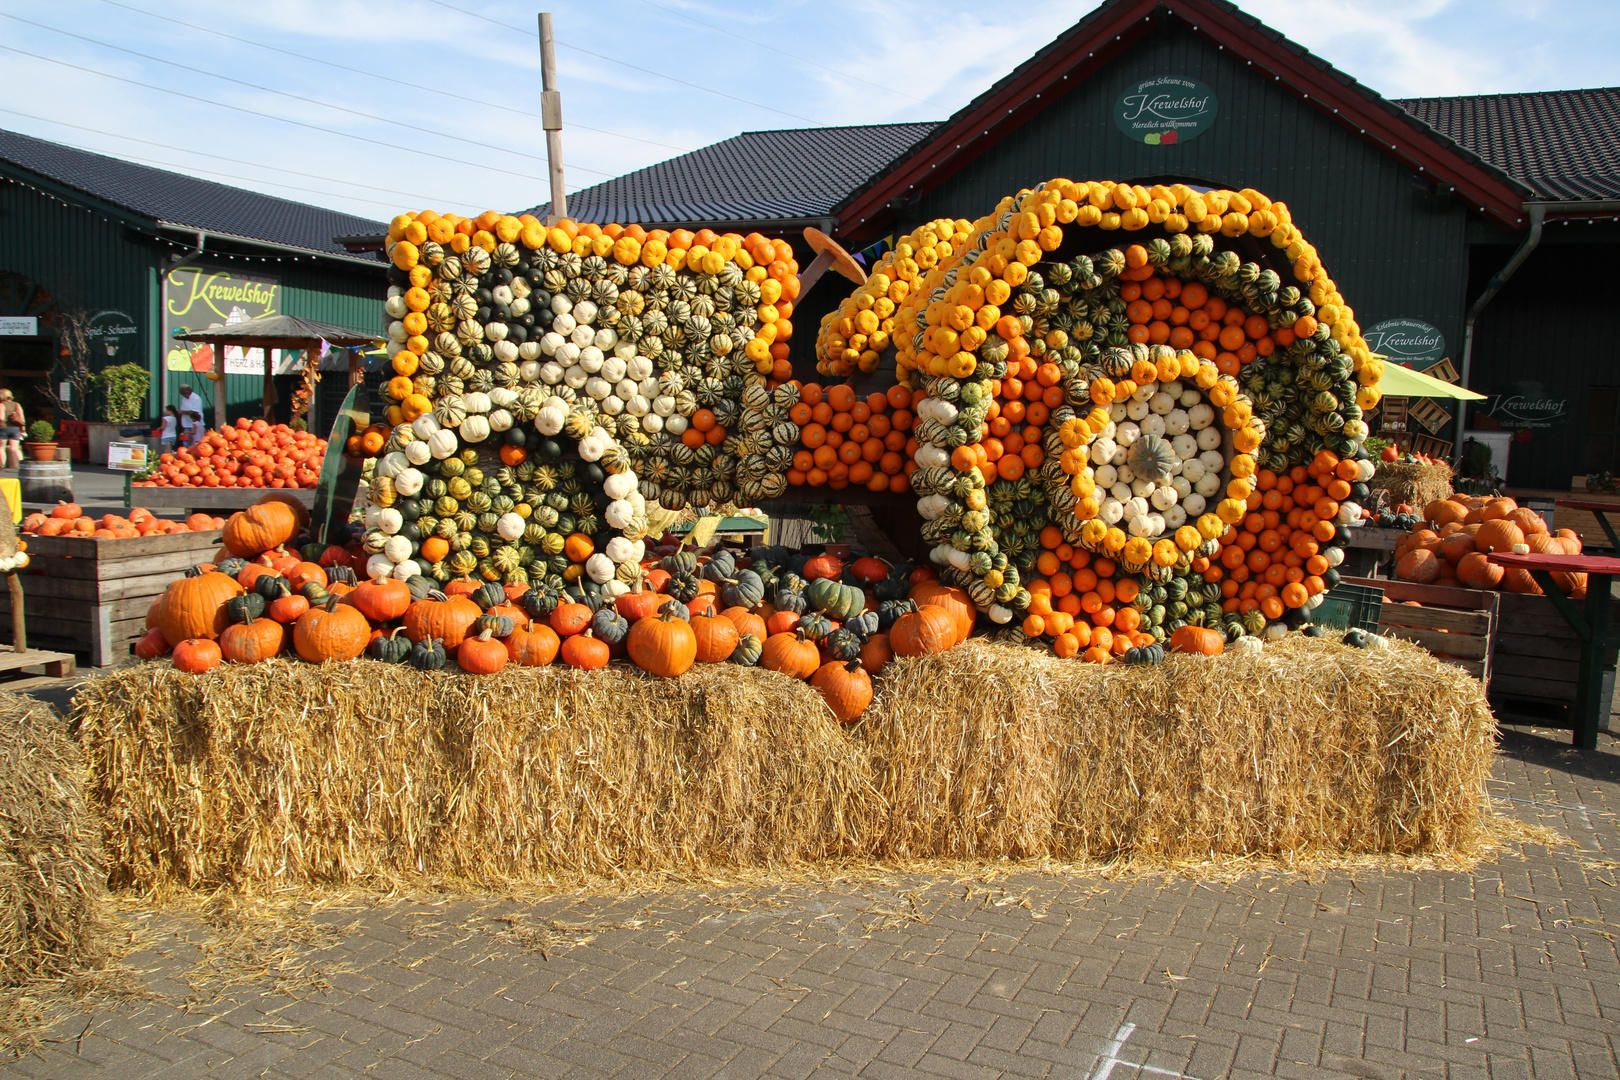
[184, 200]
[756, 176]
[1563, 144]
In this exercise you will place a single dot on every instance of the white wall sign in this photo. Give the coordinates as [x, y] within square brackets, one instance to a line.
[19, 326]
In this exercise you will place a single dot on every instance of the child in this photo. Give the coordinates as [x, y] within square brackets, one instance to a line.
[194, 427]
[169, 435]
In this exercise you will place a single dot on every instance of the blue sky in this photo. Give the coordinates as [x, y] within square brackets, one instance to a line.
[373, 107]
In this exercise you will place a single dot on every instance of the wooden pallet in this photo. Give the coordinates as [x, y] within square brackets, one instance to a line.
[90, 596]
[57, 665]
[204, 500]
[1458, 626]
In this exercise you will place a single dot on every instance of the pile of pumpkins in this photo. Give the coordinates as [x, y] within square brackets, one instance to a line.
[806, 616]
[1449, 545]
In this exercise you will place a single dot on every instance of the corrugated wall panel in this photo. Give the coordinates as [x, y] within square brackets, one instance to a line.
[1391, 249]
[84, 260]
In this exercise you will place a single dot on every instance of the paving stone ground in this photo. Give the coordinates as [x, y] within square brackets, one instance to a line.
[1509, 973]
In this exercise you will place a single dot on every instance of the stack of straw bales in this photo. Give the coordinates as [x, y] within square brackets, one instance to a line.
[286, 774]
[1413, 483]
[51, 879]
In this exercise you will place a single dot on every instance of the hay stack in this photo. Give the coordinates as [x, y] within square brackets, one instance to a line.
[50, 873]
[284, 773]
[1308, 749]
[1413, 483]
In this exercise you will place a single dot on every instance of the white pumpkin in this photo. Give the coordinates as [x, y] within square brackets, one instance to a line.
[585, 311]
[510, 526]
[620, 550]
[418, 453]
[499, 420]
[529, 370]
[443, 443]
[652, 423]
[1349, 513]
[551, 373]
[676, 424]
[600, 568]
[619, 513]
[390, 521]
[550, 419]
[620, 486]
[591, 448]
[638, 367]
[378, 566]
[397, 549]
[1000, 614]
[408, 481]
[407, 569]
[529, 351]
[506, 352]
[475, 401]
[475, 429]
[391, 465]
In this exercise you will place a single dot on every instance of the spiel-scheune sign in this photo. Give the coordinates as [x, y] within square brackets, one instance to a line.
[1166, 110]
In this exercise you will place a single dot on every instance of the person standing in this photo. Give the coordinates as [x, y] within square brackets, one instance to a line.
[169, 433]
[12, 421]
[191, 413]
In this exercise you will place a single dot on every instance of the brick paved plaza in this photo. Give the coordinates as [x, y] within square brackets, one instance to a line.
[1508, 972]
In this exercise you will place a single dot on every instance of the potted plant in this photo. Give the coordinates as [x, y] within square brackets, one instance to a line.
[123, 388]
[830, 524]
[41, 441]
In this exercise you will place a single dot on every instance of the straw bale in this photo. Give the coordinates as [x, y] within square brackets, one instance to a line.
[1413, 483]
[1307, 749]
[284, 773]
[51, 880]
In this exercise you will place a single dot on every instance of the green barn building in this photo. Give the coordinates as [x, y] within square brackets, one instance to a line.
[1471, 234]
[132, 254]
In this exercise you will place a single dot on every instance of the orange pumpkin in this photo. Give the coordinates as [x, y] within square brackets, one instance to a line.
[876, 653]
[152, 645]
[440, 616]
[1455, 546]
[571, 619]
[923, 630]
[1197, 640]
[1529, 522]
[382, 599]
[1444, 512]
[533, 646]
[747, 622]
[197, 655]
[259, 528]
[635, 606]
[482, 655]
[585, 652]
[1497, 535]
[1476, 571]
[1520, 581]
[953, 601]
[663, 645]
[253, 641]
[716, 638]
[194, 606]
[845, 687]
[332, 631]
[790, 654]
[1420, 565]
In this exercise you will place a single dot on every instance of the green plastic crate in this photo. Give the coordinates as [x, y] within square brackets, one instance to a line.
[1349, 606]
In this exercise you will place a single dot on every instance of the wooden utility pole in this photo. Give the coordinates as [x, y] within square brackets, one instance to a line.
[551, 117]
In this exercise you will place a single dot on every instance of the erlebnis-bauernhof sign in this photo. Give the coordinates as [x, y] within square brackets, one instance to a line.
[1166, 110]
[1406, 341]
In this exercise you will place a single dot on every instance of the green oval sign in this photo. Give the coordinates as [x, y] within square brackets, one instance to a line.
[1166, 110]
[1412, 342]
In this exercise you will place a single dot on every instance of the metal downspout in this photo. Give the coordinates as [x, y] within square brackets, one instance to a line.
[1538, 218]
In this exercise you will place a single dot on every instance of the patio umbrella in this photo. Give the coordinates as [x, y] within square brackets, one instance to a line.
[280, 332]
[1401, 381]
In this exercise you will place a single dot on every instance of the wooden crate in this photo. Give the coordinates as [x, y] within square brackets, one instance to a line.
[1436, 448]
[1392, 414]
[1444, 370]
[1430, 415]
[1459, 626]
[89, 596]
[1537, 658]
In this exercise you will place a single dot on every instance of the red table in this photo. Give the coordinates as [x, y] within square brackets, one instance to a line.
[1599, 510]
[1592, 625]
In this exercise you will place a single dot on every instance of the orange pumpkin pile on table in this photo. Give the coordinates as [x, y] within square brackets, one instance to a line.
[1449, 547]
[247, 454]
[69, 519]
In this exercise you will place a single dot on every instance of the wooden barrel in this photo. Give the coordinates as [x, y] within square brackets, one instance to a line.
[46, 481]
